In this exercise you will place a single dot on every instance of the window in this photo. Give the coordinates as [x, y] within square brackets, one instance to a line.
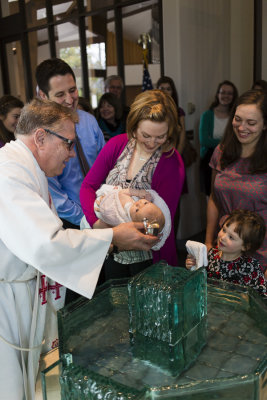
[96, 37]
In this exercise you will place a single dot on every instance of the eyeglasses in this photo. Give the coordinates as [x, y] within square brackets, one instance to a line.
[70, 143]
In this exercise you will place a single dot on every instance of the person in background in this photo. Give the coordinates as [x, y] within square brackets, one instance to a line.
[85, 105]
[114, 84]
[182, 144]
[109, 116]
[10, 109]
[38, 256]
[166, 84]
[144, 158]
[242, 233]
[56, 81]
[259, 85]
[239, 167]
[212, 126]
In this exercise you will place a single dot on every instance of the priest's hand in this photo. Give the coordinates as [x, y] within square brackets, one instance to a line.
[130, 236]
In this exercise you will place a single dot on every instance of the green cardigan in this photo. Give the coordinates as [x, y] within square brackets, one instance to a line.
[206, 127]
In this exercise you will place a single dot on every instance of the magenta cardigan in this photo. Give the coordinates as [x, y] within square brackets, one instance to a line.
[167, 181]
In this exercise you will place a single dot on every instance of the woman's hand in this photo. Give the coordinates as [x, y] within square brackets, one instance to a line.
[97, 203]
[99, 224]
[190, 261]
[141, 193]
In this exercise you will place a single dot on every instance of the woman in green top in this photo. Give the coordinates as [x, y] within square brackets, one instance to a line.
[212, 126]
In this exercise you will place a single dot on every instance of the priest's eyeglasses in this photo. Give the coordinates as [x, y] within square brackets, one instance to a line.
[70, 143]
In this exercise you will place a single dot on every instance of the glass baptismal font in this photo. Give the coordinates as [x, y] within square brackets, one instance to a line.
[165, 334]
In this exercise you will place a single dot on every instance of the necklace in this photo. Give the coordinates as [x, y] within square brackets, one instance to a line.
[142, 158]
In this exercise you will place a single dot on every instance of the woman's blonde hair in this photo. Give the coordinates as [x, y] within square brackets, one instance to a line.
[155, 106]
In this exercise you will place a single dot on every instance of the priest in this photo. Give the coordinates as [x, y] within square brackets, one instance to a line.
[38, 257]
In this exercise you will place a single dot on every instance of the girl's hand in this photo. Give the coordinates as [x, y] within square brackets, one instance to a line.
[190, 261]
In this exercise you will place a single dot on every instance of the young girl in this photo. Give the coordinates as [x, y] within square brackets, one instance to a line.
[242, 233]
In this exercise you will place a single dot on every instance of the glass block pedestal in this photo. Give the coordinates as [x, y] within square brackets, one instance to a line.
[232, 365]
[167, 316]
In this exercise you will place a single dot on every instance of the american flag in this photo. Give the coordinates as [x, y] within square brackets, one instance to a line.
[147, 83]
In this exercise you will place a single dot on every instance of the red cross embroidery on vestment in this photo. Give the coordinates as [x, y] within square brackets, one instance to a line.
[55, 289]
[45, 287]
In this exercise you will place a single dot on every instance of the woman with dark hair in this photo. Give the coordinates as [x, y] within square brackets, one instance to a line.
[85, 105]
[166, 84]
[182, 144]
[259, 85]
[109, 116]
[212, 125]
[10, 108]
[239, 167]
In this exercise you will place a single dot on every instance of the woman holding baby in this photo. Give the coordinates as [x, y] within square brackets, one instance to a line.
[144, 158]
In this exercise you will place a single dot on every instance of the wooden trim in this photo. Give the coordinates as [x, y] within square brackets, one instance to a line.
[257, 61]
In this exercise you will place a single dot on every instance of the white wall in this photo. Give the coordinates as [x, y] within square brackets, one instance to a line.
[241, 45]
[134, 73]
[205, 42]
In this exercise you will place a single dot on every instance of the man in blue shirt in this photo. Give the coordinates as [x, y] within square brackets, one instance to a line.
[56, 81]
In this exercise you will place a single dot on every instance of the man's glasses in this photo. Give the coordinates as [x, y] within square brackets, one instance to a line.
[70, 143]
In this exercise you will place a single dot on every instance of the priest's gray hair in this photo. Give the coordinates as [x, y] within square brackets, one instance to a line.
[43, 114]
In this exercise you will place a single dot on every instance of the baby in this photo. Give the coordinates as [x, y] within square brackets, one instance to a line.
[242, 234]
[115, 205]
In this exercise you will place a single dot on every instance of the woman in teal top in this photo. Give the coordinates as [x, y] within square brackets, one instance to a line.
[212, 125]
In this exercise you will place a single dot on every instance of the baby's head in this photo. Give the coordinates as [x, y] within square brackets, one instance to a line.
[145, 209]
[249, 226]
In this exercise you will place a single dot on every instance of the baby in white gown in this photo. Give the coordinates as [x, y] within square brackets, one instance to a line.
[115, 205]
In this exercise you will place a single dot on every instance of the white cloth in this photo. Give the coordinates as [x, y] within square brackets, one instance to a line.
[158, 201]
[112, 212]
[34, 245]
[199, 251]
[219, 127]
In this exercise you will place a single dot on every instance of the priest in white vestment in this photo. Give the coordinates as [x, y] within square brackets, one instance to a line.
[37, 255]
